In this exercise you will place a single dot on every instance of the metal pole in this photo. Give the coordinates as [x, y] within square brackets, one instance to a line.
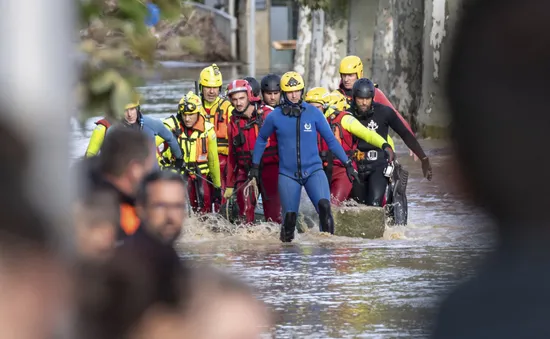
[37, 64]
[252, 39]
[233, 27]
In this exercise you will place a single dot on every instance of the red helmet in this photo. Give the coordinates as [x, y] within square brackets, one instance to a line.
[241, 86]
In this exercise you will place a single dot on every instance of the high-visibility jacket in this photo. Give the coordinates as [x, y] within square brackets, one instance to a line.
[218, 113]
[97, 137]
[199, 147]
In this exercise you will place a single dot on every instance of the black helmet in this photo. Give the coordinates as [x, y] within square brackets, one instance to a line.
[255, 85]
[271, 83]
[363, 88]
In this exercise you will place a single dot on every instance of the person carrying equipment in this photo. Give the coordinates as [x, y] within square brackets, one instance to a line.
[348, 131]
[371, 162]
[217, 112]
[271, 90]
[296, 124]
[244, 126]
[197, 140]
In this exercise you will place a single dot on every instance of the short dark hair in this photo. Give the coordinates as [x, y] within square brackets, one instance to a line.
[99, 205]
[163, 175]
[121, 147]
[498, 94]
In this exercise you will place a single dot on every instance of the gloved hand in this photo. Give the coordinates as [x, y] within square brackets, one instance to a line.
[180, 164]
[228, 192]
[426, 168]
[217, 195]
[390, 155]
[350, 171]
[254, 172]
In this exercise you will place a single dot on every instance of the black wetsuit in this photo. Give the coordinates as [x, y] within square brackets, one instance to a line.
[372, 186]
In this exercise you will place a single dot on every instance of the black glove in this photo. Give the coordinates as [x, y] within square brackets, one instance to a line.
[217, 195]
[254, 172]
[390, 155]
[426, 168]
[351, 172]
[180, 164]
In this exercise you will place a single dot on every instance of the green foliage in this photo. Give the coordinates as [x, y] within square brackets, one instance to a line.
[102, 88]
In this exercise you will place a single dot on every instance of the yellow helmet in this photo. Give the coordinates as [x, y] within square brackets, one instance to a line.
[352, 65]
[338, 101]
[292, 81]
[318, 95]
[190, 104]
[134, 103]
[211, 76]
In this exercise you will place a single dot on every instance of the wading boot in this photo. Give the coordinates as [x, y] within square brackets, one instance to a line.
[288, 227]
[325, 216]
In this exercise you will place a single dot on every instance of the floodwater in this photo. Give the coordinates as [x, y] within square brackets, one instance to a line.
[336, 287]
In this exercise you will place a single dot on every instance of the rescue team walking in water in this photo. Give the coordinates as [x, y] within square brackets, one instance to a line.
[334, 144]
[296, 124]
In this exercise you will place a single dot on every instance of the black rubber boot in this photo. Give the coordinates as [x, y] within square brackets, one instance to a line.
[288, 227]
[325, 216]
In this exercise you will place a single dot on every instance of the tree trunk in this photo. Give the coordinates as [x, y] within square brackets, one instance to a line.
[303, 41]
[397, 64]
[317, 52]
[331, 56]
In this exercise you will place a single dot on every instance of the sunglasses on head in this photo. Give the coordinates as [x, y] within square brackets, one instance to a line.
[187, 107]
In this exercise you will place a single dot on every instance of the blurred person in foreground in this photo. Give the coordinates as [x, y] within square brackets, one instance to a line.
[34, 281]
[509, 296]
[223, 307]
[126, 158]
[95, 218]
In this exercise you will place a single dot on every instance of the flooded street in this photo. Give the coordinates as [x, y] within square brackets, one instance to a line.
[338, 287]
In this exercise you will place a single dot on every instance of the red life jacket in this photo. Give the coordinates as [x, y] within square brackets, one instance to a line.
[345, 138]
[245, 132]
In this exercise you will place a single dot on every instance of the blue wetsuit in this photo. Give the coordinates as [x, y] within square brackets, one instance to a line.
[299, 164]
[153, 127]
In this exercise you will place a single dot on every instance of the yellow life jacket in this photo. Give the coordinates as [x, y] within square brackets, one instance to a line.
[194, 146]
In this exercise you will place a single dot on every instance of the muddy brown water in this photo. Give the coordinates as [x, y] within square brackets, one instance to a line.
[337, 287]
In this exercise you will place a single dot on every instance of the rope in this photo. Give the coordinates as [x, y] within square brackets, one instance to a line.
[251, 185]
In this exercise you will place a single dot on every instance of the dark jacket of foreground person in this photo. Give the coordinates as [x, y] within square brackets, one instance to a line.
[503, 47]
[143, 273]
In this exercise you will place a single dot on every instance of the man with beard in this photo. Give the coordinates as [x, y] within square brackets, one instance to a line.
[271, 90]
[372, 161]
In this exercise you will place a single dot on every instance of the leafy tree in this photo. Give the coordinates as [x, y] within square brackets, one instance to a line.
[103, 85]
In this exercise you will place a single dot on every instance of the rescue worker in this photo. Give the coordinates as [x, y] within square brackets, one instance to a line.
[217, 111]
[255, 85]
[371, 162]
[98, 134]
[348, 131]
[244, 126]
[296, 124]
[351, 69]
[134, 119]
[271, 90]
[197, 140]
[126, 158]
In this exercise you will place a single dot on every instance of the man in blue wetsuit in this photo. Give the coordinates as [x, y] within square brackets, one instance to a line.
[296, 124]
